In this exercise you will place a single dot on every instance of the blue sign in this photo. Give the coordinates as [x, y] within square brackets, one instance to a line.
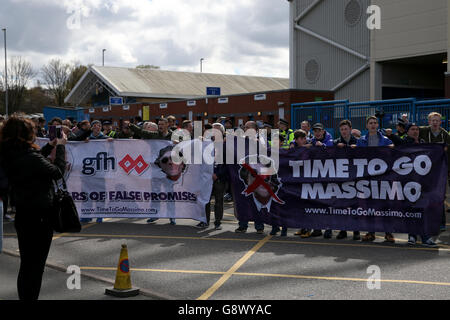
[212, 91]
[115, 100]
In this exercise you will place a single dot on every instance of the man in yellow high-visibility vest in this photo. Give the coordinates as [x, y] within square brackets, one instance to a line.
[286, 133]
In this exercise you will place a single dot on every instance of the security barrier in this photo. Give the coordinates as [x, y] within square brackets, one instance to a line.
[330, 113]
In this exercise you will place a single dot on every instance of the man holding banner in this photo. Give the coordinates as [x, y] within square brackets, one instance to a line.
[375, 139]
[412, 138]
[138, 179]
[377, 189]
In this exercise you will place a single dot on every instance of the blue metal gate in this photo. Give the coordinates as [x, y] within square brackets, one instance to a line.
[330, 113]
[424, 108]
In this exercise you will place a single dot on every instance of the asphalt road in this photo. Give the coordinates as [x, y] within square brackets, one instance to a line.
[183, 262]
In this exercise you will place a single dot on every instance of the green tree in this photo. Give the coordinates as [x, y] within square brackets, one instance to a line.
[77, 72]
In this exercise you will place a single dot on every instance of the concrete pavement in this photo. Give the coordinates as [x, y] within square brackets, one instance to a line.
[184, 262]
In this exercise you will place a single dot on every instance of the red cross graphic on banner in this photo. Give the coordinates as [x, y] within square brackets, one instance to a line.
[259, 181]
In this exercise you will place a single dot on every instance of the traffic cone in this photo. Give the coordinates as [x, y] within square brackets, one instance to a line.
[122, 286]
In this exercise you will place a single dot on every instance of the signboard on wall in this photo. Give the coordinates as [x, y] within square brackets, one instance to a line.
[212, 91]
[260, 97]
[115, 100]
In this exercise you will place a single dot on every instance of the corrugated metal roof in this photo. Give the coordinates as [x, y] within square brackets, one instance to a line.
[129, 82]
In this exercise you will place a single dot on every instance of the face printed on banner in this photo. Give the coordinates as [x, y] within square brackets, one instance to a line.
[172, 168]
[261, 180]
[260, 192]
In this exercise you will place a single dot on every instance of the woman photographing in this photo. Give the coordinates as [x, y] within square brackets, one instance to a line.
[31, 175]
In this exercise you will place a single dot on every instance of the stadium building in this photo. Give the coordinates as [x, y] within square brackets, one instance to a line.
[370, 50]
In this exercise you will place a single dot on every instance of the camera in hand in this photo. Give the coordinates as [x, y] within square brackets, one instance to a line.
[54, 132]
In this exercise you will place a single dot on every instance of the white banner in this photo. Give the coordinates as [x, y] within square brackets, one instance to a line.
[136, 179]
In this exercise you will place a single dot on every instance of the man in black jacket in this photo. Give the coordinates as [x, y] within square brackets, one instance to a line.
[163, 133]
[83, 132]
[412, 137]
[219, 184]
[345, 140]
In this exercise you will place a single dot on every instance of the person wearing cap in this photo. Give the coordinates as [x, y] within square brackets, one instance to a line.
[300, 141]
[267, 138]
[412, 137]
[286, 134]
[107, 129]
[400, 135]
[97, 133]
[374, 138]
[321, 136]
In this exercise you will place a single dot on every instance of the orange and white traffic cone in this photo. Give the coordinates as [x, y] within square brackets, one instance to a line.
[122, 286]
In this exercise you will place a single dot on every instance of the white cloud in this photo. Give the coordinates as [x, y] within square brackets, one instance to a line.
[233, 36]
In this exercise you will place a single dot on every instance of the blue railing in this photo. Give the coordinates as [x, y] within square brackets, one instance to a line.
[330, 113]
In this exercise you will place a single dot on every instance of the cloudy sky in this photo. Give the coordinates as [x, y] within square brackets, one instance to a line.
[247, 37]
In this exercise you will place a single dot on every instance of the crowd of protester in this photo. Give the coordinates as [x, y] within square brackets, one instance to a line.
[309, 135]
[29, 173]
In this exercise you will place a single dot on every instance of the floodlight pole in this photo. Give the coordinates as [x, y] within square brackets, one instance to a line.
[6, 76]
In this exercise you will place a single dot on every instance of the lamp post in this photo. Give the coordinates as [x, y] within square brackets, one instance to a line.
[201, 64]
[6, 76]
[103, 57]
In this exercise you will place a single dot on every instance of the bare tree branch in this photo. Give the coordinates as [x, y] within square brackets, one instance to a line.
[55, 75]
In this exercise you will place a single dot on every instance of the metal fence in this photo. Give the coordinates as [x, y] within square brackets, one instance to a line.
[330, 113]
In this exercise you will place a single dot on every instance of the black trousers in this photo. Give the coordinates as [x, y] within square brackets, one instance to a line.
[218, 192]
[35, 237]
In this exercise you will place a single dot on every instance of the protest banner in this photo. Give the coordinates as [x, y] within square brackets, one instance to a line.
[369, 189]
[137, 179]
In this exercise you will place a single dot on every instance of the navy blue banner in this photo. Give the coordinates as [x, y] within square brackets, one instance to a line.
[380, 189]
